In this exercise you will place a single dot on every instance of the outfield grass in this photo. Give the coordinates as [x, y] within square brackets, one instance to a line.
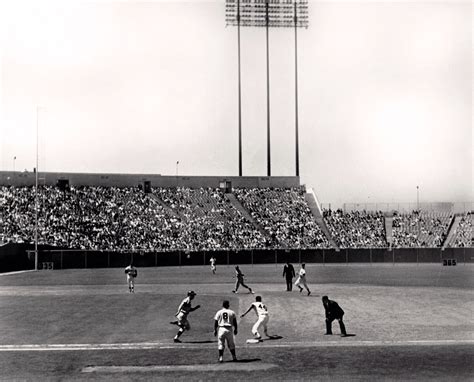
[410, 322]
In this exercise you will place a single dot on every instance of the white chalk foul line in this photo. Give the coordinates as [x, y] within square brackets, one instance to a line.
[265, 344]
[16, 272]
[226, 366]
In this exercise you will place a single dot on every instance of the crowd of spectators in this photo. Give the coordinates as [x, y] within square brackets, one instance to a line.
[124, 219]
[211, 222]
[111, 218]
[420, 229]
[284, 215]
[464, 234]
[95, 218]
[356, 229]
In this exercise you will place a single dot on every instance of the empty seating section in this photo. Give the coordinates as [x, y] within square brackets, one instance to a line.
[284, 216]
[420, 229]
[356, 229]
[464, 234]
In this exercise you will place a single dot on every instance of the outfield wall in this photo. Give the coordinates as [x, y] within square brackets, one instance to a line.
[21, 257]
[18, 179]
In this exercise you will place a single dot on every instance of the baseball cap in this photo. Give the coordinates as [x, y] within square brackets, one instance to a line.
[191, 293]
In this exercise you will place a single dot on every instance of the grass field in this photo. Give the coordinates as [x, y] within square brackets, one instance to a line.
[409, 322]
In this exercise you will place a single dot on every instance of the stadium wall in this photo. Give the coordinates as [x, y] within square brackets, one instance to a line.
[21, 257]
[18, 179]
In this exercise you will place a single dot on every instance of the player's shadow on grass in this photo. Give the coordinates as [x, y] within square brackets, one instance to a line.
[248, 360]
[349, 335]
[273, 337]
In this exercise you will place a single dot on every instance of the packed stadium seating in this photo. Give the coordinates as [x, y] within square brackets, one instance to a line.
[284, 215]
[463, 235]
[356, 229]
[420, 229]
[195, 219]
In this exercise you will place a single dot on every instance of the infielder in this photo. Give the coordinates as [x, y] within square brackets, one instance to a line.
[262, 317]
[302, 279]
[224, 320]
[240, 280]
[182, 315]
[213, 264]
[131, 273]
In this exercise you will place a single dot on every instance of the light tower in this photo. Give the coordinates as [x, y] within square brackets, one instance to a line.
[268, 14]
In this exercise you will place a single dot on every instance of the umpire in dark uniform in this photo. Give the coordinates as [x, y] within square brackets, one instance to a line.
[289, 274]
[333, 312]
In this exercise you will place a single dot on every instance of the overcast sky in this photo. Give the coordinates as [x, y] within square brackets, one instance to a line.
[385, 91]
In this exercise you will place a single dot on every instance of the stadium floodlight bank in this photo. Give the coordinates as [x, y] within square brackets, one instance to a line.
[268, 14]
[281, 13]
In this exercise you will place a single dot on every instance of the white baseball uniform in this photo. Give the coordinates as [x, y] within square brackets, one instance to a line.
[213, 264]
[301, 278]
[263, 317]
[225, 319]
[183, 311]
[131, 272]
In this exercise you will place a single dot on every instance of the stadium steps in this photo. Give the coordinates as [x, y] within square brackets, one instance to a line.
[157, 200]
[452, 231]
[313, 205]
[388, 229]
[239, 207]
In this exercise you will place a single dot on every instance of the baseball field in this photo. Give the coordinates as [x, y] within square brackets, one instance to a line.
[406, 322]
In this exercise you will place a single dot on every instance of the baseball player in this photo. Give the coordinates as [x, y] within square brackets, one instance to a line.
[213, 264]
[333, 312]
[240, 280]
[262, 317]
[182, 315]
[224, 320]
[131, 273]
[302, 279]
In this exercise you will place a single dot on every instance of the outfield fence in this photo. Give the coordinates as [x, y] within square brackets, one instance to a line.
[66, 259]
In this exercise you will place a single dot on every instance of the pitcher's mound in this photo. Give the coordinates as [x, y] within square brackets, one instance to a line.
[238, 366]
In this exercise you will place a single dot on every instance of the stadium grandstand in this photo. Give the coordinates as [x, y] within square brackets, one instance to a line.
[155, 214]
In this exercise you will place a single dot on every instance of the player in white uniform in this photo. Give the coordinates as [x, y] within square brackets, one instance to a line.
[224, 320]
[131, 273]
[262, 317]
[213, 264]
[302, 279]
[182, 315]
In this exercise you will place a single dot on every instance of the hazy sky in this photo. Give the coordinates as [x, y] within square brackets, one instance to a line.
[385, 92]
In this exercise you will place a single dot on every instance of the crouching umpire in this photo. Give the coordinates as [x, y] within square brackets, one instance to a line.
[333, 312]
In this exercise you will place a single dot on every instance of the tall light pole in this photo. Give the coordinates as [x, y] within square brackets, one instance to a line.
[267, 25]
[269, 14]
[177, 165]
[14, 159]
[417, 198]
[240, 88]
[36, 190]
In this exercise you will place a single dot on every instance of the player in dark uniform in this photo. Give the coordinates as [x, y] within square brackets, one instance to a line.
[289, 274]
[333, 312]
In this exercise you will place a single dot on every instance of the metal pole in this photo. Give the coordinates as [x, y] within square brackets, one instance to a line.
[296, 97]
[269, 169]
[417, 199]
[240, 90]
[36, 191]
